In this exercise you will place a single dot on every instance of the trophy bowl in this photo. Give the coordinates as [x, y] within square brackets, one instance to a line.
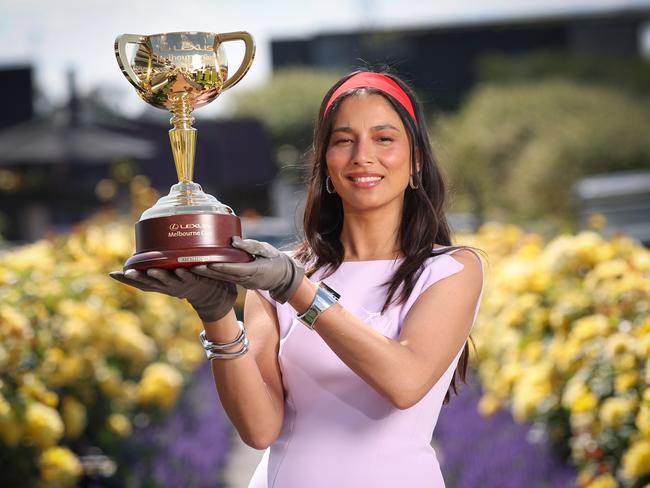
[180, 71]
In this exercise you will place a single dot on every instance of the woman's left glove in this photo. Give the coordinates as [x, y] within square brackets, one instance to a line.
[212, 299]
[271, 270]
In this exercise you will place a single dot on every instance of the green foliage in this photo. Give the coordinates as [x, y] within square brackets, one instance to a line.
[515, 150]
[288, 105]
[631, 74]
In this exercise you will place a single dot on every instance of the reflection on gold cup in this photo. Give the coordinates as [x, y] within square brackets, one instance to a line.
[179, 72]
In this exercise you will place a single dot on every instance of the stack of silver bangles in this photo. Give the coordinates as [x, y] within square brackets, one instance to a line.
[213, 350]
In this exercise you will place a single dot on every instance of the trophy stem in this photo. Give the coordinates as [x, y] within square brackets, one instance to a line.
[183, 138]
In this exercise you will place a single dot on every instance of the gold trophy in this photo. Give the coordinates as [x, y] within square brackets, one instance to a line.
[180, 71]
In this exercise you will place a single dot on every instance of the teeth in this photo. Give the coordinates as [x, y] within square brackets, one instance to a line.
[364, 179]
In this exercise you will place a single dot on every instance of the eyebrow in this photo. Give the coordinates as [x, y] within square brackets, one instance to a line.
[375, 128]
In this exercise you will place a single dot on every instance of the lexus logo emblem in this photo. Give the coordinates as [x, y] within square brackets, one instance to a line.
[173, 227]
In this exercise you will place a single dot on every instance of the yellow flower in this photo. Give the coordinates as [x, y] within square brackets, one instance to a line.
[603, 481]
[33, 256]
[109, 380]
[584, 477]
[624, 361]
[596, 220]
[119, 424]
[511, 373]
[643, 421]
[160, 385]
[34, 388]
[642, 345]
[615, 410]
[129, 340]
[186, 355]
[60, 467]
[69, 308]
[61, 369]
[43, 425]
[625, 381]
[74, 417]
[591, 248]
[10, 429]
[636, 460]
[612, 269]
[533, 352]
[5, 408]
[585, 403]
[520, 276]
[526, 401]
[578, 398]
[571, 304]
[619, 343]
[590, 327]
[538, 320]
[581, 421]
[13, 323]
[488, 405]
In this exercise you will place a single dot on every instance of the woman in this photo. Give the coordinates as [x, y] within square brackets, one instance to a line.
[356, 339]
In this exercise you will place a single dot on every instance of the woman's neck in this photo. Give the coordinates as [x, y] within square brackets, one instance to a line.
[371, 235]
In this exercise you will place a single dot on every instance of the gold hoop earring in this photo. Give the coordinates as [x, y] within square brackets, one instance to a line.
[328, 183]
[411, 184]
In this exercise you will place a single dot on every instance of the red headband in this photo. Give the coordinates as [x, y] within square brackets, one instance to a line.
[383, 83]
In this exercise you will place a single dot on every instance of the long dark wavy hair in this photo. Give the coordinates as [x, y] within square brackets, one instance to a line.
[423, 218]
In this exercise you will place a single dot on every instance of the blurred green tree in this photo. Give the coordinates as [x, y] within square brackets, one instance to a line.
[514, 149]
[287, 105]
[627, 73]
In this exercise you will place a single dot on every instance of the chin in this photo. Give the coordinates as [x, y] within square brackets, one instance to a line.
[365, 204]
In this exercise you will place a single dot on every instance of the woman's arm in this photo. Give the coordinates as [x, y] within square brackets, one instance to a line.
[436, 327]
[250, 386]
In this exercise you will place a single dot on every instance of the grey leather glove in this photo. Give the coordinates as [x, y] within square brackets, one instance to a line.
[271, 270]
[212, 299]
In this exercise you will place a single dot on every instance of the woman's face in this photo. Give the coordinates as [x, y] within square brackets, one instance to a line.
[368, 153]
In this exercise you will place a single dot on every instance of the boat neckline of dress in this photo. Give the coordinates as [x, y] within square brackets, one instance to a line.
[383, 260]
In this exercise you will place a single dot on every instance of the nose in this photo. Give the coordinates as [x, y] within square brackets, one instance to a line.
[363, 153]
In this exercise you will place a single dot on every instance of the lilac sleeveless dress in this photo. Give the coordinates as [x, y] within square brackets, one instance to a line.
[338, 431]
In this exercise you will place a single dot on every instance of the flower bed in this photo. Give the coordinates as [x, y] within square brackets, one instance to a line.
[563, 341]
[82, 357]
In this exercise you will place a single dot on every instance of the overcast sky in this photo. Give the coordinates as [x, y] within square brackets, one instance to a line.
[56, 35]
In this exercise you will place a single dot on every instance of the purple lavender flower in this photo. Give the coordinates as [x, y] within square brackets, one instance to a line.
[190, 446]
[493, 451]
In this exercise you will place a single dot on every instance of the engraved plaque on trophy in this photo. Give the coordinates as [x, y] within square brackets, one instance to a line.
[179, 72]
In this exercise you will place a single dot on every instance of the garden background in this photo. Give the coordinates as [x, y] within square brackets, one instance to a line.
[103, 385]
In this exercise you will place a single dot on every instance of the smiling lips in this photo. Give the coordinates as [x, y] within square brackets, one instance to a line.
[365, 180]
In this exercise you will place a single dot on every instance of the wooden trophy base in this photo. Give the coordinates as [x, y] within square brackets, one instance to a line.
[183, 241]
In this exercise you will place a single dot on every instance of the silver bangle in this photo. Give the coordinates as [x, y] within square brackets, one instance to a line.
[210, 346]
[228, 355]
[213, 349]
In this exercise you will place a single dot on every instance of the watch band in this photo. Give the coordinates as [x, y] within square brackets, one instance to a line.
[324, 299]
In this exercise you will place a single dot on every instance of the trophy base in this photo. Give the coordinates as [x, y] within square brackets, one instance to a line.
[186, 240]
[176, 258]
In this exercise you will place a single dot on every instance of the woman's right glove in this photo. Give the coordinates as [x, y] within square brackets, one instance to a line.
[212, 299]
[271, 270]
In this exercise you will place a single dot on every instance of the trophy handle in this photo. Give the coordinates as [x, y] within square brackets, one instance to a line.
[120, 54]
[248, 56]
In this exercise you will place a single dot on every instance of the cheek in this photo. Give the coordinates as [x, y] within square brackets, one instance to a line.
[336, 159]
[397, 159]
